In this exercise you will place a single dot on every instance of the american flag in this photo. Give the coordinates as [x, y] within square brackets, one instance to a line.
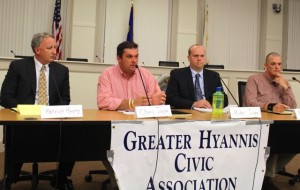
[57, 29]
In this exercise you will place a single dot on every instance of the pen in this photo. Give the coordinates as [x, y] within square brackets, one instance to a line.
[179, 118]
[11, 109]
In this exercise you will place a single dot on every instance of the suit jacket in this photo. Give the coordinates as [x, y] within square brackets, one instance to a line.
[19, 85]
[181, 90]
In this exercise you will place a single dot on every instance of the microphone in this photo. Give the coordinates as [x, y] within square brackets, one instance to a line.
[229, 91]
[183, 64]
[11, 51]
[98, 58]
[136, 66]
[60, 130]
[19, 56]
[56, 87]
[294, 78]
[274, 83]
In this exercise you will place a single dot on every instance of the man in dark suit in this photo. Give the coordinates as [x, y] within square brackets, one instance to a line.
[21, 86]
[181, 87]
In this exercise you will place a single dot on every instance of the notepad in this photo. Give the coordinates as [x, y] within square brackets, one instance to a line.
[209, 110]
[286, 112]
[29, 109]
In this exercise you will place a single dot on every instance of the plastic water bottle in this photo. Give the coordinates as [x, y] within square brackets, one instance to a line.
[218, 102]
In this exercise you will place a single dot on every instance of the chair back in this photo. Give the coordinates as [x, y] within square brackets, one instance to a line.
[163, 81]
[241, 91]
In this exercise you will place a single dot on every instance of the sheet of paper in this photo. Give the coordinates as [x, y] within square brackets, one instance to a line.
[203, 109]
[127, 112]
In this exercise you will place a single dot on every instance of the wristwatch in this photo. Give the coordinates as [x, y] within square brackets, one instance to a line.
[270, 106]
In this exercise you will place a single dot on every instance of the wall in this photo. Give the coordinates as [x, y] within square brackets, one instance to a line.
[232, 37]
[187, 30]
[271, 31]
[88, 29]
[83, 29]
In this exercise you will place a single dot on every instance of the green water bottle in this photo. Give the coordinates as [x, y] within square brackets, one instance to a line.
[218, 102]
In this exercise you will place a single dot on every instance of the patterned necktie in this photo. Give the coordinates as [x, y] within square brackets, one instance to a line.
[198, 92]
[42, 91]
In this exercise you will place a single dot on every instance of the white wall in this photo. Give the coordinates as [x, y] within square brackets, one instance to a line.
[188, 32]
[232, 37]
[274, 29]
[162, 31]
[83, 29]
[293, 35]
[20, 19]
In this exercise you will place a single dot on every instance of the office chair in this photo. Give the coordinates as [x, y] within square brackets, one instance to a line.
[88, 178]
[35, 176]
[241, 91]
[109, 171]
[32, 176]
[283, 172]
[295, 177]
[208, 66]
[163, 81]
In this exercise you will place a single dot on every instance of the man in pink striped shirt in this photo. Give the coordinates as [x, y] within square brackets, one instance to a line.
[120, 87]
[271, 92]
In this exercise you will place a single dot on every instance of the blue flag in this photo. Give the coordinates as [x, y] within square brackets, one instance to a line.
[130, 29]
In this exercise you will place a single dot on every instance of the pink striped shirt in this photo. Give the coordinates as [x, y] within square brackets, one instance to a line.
[260, 91]
[113, 87]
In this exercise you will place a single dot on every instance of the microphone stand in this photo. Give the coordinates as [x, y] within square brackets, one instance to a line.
[136, 66]
[294, 78]
[98, 58]
[229, 91]
[13, 52]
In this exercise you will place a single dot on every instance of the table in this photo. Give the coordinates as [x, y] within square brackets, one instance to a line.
[88, 138]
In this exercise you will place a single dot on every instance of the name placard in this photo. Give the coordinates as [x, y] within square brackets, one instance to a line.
[69, 111]
[244, 112]
[153, 111]
[296, 113]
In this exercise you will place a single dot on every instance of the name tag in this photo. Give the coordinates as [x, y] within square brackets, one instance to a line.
[244, 112]
[69, 111]
[153, 111]
[296, 113]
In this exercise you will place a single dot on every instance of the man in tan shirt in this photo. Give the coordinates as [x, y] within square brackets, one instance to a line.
[271, 92]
